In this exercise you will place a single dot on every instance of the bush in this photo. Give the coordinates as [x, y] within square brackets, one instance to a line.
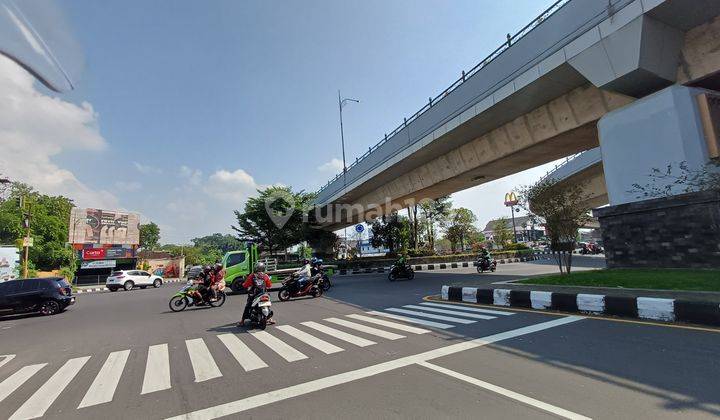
[422, 252]
[515, 247]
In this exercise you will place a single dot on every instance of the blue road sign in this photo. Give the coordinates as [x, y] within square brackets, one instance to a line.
[359, 228]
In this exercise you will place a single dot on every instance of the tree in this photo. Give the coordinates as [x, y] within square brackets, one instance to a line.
[435, 211]
[223, 243]
[392, 232]
[502, 233]
[459, 226]
[323, 242]
[672, 181]
[563, 208]
[50, 216]
[273, 219]
[149, 236]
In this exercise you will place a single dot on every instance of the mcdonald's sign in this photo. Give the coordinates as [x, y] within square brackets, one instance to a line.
[511, 199]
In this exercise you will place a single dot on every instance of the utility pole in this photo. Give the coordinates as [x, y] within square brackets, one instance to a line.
[25, 207]
[341, 104]
[511, 201]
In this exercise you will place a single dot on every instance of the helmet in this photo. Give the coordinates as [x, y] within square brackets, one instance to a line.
[207, 268]
[218, 267]
[305, 261]
[259, 267]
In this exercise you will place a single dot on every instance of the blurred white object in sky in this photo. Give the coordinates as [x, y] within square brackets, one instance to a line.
[36, 35]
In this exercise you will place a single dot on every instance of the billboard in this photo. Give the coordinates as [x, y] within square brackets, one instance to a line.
[104, 227]
[98, 264]
[9, 257]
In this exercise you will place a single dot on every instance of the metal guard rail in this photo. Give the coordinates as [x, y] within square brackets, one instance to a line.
[464, 76]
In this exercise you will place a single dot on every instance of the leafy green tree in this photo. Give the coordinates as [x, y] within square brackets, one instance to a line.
[223, 243]
[149, 236]
[435, 211]
[502, 232]
[49, 218]
[323, 242]
[564, 209]
[460, 225]
[392, 232]
[274, 219]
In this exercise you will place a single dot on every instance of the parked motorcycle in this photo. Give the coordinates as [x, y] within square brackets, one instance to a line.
[401, 271]
[188, 296]
[486, 264]
[291, 288]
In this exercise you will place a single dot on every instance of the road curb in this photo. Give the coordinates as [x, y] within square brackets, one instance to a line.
[438, 266]
[105, 289]
[649, 308]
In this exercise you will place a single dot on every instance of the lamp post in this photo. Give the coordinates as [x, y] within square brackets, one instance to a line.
[511, 201]
[341, 104]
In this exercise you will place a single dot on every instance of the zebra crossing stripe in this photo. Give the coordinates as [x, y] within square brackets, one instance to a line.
[467, 308]
[412, 320]
[363, 328]
[433, 316]
[5, 358]
[340, 335]
[278, 346]
[448, 312]
[310, 340]
[18, 378]
[394, 325]
[242, 353]
[202, 362]
[157, 369]
[103, 387]
[42, 399]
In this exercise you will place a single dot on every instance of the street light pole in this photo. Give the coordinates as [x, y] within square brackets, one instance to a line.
[341, 103]
[511, 201]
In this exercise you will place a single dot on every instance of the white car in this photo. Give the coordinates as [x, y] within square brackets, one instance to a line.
[127, 279]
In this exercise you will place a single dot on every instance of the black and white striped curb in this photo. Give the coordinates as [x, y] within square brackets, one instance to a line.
[659, 309]
[105, 289]
[430, 267]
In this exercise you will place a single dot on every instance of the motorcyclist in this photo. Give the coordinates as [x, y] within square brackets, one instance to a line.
[204, 282]
[304, 273]
[485, 256]
[253, 290]
[315, 266]
[218, 273]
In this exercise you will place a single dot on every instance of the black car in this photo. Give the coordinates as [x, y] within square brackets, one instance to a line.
[48, 296]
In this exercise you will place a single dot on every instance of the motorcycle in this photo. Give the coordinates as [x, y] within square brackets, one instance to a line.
[260, 310]
[324, 279]
[291, 288]
[188, 296]
[486, 264]
[401, 271]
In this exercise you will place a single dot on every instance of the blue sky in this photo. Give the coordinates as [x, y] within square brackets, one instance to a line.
[200, 102]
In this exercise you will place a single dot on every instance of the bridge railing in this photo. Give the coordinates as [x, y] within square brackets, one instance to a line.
[463, 77]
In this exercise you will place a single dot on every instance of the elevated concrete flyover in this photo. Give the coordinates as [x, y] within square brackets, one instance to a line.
[585, 169]
[531, 102]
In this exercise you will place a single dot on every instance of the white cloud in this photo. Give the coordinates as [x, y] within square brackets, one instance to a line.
[194, 176]
[128, 186]
[34, 127]
[235, 186]
[146, 169]
[335, 165]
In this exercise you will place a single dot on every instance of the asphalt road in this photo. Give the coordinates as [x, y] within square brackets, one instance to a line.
[125, 355]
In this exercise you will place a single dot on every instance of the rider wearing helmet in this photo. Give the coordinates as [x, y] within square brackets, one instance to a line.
[253, 290]
[204, 281]
[218, 273]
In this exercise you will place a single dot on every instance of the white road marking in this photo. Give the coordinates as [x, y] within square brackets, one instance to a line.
[413, 320]
[395, 325]
[242, 353]
[42, 399]
[278, 346]
[467, 308]
[449, 312]
[6, 358]
[266, 398]
[561, 412]
[103, 387]
[364, 328]
[202, 362]
[14, 381]
[310, 340]
[432, 316]
[157, 369]
[340, 335]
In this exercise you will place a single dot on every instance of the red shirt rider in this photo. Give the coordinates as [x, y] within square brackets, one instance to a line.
[250, 280]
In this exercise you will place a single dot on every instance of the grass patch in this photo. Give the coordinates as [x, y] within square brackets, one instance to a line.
[666, 279]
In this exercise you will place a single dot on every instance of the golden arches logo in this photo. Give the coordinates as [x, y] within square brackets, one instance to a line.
[510, 199]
